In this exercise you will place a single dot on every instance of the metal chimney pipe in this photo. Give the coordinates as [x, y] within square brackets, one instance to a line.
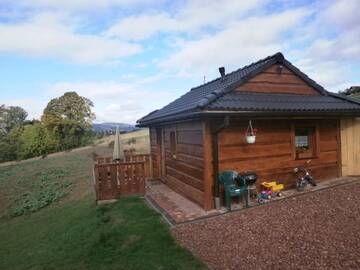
[222, 71]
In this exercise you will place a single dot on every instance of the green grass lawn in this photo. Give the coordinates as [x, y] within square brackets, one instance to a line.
[79, 235]
[62, 228]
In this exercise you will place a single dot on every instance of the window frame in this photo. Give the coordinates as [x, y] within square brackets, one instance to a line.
[313, 141]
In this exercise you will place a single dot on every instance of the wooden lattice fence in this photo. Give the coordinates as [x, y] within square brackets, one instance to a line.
[125, 177]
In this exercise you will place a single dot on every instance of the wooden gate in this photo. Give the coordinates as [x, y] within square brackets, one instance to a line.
[350, 146]
[114, 179]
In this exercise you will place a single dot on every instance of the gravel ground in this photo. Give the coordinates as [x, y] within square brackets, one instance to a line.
[319, 230]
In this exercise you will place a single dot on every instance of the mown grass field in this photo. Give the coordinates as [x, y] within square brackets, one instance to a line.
[49, 220]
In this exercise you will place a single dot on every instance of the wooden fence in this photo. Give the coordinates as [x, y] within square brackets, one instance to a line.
[350, 146]
[125, 177]
[129, 158]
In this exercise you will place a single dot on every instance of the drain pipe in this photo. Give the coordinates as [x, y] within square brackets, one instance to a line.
[215, 146]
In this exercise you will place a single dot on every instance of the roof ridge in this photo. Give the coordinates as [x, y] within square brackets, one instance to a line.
[278, 55]
[218, 93]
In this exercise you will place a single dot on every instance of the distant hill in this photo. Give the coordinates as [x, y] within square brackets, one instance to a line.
[110, 128]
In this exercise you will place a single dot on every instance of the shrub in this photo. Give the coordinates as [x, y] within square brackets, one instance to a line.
[36, 140]
[10, 144]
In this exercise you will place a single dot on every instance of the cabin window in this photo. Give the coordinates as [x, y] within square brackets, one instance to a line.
[173, 145]
[305, 143]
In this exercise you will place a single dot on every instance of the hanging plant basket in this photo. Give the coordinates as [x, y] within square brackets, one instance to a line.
[250, 138]
[250, 134]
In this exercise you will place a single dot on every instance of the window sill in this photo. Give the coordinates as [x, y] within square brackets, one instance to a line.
[305, 155]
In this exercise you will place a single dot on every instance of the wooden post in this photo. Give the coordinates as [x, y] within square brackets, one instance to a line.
[208, 167]
[350, 146]
[339, 148]
[356, 123]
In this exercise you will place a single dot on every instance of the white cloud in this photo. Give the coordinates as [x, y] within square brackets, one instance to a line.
[80, 4]
[240, 43]
[340, 13]
[114, 101]
[51, 35]
[321, 39]
[331, 45]
[142, 27]
[34, 107]
[128, 112]
[92, 90]
[193, 17]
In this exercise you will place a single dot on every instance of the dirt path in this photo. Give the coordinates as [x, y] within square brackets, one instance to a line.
[320, 230]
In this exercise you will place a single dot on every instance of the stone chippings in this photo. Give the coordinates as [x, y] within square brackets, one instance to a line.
[319, 230]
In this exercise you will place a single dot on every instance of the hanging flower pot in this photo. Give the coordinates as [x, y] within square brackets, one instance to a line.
[250, 138]
[250, 134]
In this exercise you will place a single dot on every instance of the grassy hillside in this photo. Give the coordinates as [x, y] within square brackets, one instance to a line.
[58, 226]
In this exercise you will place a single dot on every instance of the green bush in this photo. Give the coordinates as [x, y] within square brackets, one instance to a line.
[36, 140]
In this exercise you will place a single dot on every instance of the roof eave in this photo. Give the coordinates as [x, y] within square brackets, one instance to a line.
[259, 114]
[319, 113]
[187, 116]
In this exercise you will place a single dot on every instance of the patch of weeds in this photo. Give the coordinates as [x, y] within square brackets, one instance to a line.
[47, 188]
[102, 214]
[53, 174]
[4, 175]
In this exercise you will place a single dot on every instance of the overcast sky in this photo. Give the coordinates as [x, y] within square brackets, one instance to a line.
[133, 56]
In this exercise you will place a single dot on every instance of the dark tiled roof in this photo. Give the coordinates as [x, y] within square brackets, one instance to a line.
[190, 100]
[217, 95]
[245, 101]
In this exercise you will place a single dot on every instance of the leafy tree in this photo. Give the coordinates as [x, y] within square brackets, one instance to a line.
[66, 123]
[69, 109]
[2, 120]
[70, 117]
[10, 144]
[11, 116]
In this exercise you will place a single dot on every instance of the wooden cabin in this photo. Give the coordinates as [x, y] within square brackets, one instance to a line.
[204, 131]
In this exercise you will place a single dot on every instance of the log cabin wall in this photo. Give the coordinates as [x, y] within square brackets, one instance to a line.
[154, 152]
[184, 165]
[272, 156]
[272, 80]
